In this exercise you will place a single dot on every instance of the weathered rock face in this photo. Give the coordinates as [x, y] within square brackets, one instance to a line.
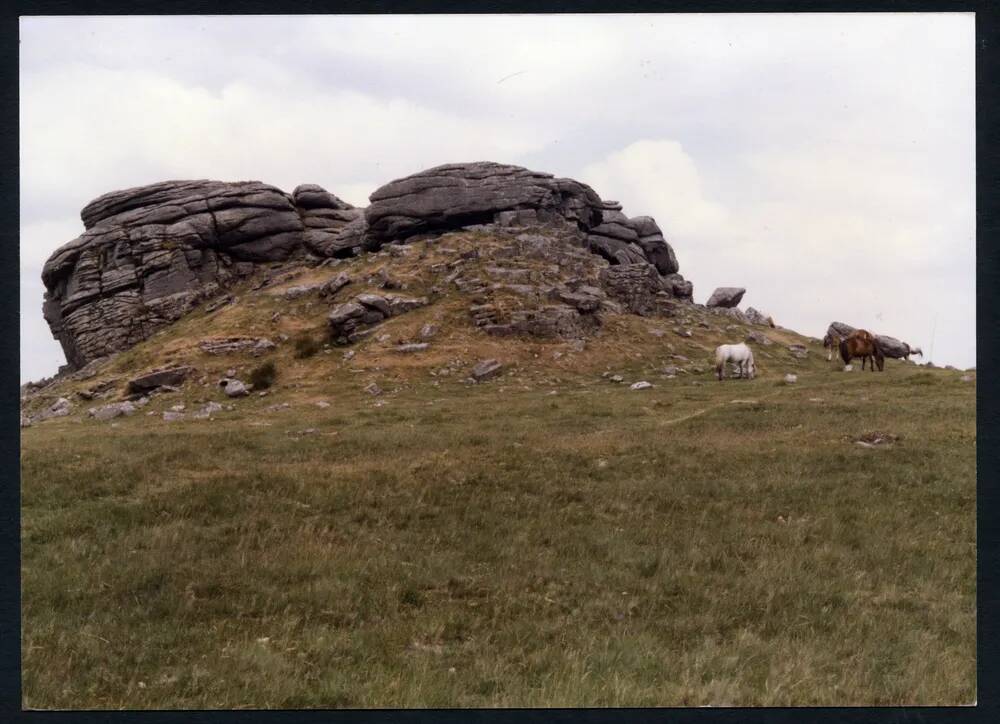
[324, 217]
[456, 195]
[151, 254]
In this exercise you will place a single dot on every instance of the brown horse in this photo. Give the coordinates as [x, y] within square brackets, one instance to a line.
[861, 343]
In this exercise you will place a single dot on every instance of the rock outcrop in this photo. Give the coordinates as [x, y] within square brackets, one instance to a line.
[151, 254]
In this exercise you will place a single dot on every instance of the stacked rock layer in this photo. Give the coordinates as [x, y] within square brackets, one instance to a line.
[151, 254]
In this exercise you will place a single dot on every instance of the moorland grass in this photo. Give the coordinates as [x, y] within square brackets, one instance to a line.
[493, 546]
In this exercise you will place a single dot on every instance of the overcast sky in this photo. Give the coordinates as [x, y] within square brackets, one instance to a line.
[824, 162]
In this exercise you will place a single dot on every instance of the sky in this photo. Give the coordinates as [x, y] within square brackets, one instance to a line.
[825, 162]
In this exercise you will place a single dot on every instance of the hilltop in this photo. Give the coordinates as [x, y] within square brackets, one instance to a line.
[397, 456]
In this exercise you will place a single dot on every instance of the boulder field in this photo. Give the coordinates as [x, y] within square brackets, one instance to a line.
[150, 254]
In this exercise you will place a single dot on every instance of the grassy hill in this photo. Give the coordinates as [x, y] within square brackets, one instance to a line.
[547, 538]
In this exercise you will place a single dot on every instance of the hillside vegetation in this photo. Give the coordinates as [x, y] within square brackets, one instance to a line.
[549, 537]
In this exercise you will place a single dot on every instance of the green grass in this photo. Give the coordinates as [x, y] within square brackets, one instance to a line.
[500, 547]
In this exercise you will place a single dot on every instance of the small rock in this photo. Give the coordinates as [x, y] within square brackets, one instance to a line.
[60, 408]
[791, 379]
[322, 404]
[373, 389]
[413, 347]
[683, 332]
[109, 412]
[671, 370]
[349, 355]
[641, 385]
[301, 291]
[173, 416]
[234, 388]
[25, 421]
[758, 338]
[177, 408]
[427, 331]
[617, 378]
[486, 369]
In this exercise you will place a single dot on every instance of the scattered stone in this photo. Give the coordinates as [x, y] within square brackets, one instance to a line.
[150, 381]
[428, 331]
[617, 378]
[791, 379]
[278, 407]
[208, 410]
[60, 408]
[671, 370]
[641, 385]
[873, 439]
[172, 416]
[757, 317]
[322, 404]
[373, 389]
[298, 292]
[758, 338]
[25, 421]
[111, 411]
[683, 332]
[486, 369]
[413, 347]
[349, 355]
[218, 304]
[799, 351]
[234, 388]
[177, 408]
[231, 345]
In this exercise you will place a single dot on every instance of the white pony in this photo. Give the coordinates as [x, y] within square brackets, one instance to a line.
[740, 355]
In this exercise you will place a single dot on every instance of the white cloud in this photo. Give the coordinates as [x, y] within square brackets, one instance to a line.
[776, 151]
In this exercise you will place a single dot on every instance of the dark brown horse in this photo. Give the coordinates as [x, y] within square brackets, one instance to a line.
[861, 343]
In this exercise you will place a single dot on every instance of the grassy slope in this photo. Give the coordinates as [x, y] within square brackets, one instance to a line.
[499, 545]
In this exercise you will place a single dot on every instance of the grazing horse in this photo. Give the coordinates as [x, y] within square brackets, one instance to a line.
[740, 355]
[861, 343]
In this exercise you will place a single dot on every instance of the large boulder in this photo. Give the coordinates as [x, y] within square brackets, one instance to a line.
[892, 347]
[840, 329]
[726, 297]
[463, 194]
[151, 254]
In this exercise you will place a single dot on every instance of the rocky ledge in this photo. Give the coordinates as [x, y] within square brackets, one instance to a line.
[149, 255]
